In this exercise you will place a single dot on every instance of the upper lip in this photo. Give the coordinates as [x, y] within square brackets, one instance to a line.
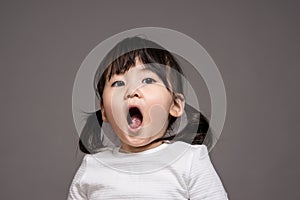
[134, 106]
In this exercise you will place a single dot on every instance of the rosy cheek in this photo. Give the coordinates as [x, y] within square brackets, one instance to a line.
[157, 99]
[162, 98]
[115, 106]
[158, 112]
[155, 120]
[116, 99]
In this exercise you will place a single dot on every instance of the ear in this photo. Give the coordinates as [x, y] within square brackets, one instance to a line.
[104, 118]
[177, 107]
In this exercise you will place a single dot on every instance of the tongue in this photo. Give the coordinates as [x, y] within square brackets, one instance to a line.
[135, 121]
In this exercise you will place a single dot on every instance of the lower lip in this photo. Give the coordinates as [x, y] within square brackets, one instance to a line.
[134, 130]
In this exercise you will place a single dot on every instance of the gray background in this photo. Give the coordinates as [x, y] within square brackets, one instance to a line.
[255, 44]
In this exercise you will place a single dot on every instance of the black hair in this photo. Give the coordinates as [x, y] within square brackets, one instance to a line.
[119, 60]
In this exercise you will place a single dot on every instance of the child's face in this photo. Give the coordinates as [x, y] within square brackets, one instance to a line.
[138, 106]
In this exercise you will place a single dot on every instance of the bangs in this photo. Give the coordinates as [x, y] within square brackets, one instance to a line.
[122, 64]
[151, 57]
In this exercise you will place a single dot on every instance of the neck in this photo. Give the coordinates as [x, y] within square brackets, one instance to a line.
[125, 148]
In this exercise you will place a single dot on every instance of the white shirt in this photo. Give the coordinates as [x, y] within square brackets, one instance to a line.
[169, 171]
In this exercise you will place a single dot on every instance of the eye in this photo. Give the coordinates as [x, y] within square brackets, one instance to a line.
[117, 84]
[148, 80]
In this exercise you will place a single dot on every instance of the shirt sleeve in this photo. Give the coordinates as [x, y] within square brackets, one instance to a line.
[77, 191]
[204, 182]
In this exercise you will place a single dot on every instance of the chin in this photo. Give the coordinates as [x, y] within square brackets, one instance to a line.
[138, 141]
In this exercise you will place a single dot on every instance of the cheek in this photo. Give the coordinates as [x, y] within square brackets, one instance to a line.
[159, 97]
[158, 106]
[112, 102]
[158, 110]
[157, 117]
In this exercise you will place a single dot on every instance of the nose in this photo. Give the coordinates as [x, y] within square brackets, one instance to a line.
[133, 93]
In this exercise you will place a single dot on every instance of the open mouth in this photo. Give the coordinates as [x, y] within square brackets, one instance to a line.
[134, 118]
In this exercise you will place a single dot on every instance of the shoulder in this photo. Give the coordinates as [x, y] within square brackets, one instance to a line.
[102, 154]
[203, 180]
[189, 156]
[94, 164]
[195, 150]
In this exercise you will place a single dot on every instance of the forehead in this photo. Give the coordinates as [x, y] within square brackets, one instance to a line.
[139, 67]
